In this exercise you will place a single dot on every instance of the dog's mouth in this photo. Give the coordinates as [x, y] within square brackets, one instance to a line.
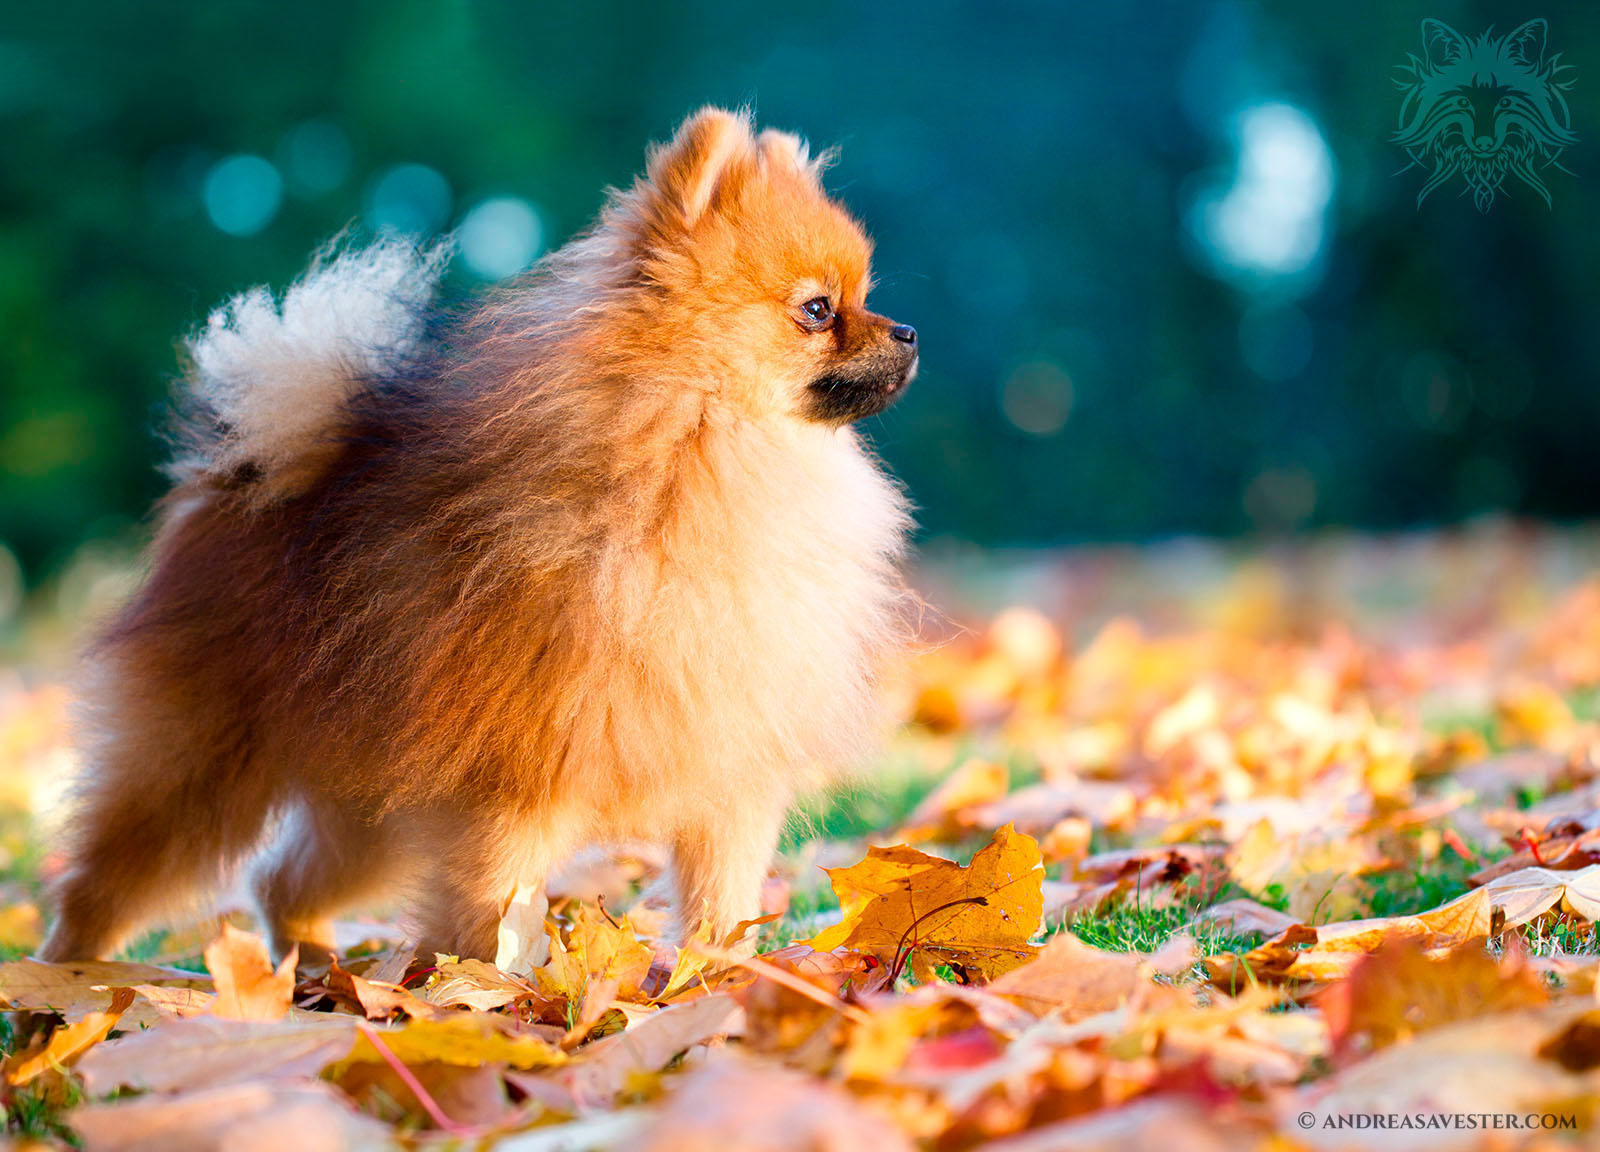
[843, 396]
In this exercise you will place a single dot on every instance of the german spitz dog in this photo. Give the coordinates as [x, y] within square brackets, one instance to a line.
[440, 594]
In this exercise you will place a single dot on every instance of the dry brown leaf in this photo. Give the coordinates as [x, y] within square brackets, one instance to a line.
[600, 1072]
[980, 917]
[375, 999]
[523, 945]
[248, 987]
[466, 1096]
[1403, 989]
[1332, 951]
[597, 946]
[208, 1051]
[1073, 979]
[1487, 1065]
[77, 988]
[1530, 893]
[475, 985]
[255, 1117]
[730, 1105]
[67, 1043]
[176, 1002]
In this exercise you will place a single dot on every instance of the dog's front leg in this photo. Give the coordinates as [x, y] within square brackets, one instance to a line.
[721, 859]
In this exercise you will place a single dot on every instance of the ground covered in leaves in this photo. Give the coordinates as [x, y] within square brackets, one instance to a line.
[1205, 849]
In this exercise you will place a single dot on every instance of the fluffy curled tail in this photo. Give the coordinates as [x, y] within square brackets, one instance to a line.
[270, 380]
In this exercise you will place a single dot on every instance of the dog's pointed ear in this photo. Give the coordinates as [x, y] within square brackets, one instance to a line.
[684, 174]
[786, 151]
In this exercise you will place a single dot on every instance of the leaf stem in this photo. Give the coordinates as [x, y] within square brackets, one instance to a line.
[902, 953]
[409, 1079]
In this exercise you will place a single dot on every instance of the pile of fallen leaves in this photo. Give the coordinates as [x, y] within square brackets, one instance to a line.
[1250, 862]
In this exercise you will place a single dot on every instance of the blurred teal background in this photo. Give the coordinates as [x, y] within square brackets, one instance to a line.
[1169, 275]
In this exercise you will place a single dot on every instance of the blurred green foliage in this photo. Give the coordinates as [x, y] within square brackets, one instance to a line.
[1037, 177]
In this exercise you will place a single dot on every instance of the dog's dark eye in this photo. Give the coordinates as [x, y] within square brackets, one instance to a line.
[818, 312]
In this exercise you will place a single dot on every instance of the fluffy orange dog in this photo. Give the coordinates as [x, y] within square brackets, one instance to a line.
[439, 600]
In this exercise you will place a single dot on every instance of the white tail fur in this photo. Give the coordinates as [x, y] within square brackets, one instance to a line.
[275, 376]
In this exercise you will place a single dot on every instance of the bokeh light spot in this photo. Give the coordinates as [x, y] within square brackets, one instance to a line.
[500, 237]
[1037, 398]
[242, 194]
[1268, 222]
[411, 199]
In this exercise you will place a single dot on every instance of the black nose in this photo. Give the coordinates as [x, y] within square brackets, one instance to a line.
[904, 333]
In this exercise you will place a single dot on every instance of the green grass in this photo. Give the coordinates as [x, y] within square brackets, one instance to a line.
[32, 1112]
[1561, 937]
[858, 809]
[1137, 925]
[1132, 928]
[34, 1115]
[1407, 893]
[1480, 724]
[799, 921]
[880, 800]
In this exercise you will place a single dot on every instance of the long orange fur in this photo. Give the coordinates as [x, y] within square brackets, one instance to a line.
[583, 561]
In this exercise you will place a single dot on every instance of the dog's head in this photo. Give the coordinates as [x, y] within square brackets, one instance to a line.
[748, 272]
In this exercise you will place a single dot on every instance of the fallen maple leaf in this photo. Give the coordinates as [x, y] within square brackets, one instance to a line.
[248, 987]
[1403, 989]
[176, 1002]
[767, 1109]
[899, 901]
[1074, 979]
[522, 944]
[74, 989]
[1331, 951]
[68, 1043]
[308, 1117]
[1531, 892]
[596, 947]
[473, 984]
[466, 1038]
[1244, 917]
[376, 999]
[207, 1052]
[595, 1077]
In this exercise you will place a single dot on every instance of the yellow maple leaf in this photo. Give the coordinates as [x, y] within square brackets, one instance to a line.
[598, 947]
[68, 1042]
[248, 986]
[465, 1039]
[980, 917]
